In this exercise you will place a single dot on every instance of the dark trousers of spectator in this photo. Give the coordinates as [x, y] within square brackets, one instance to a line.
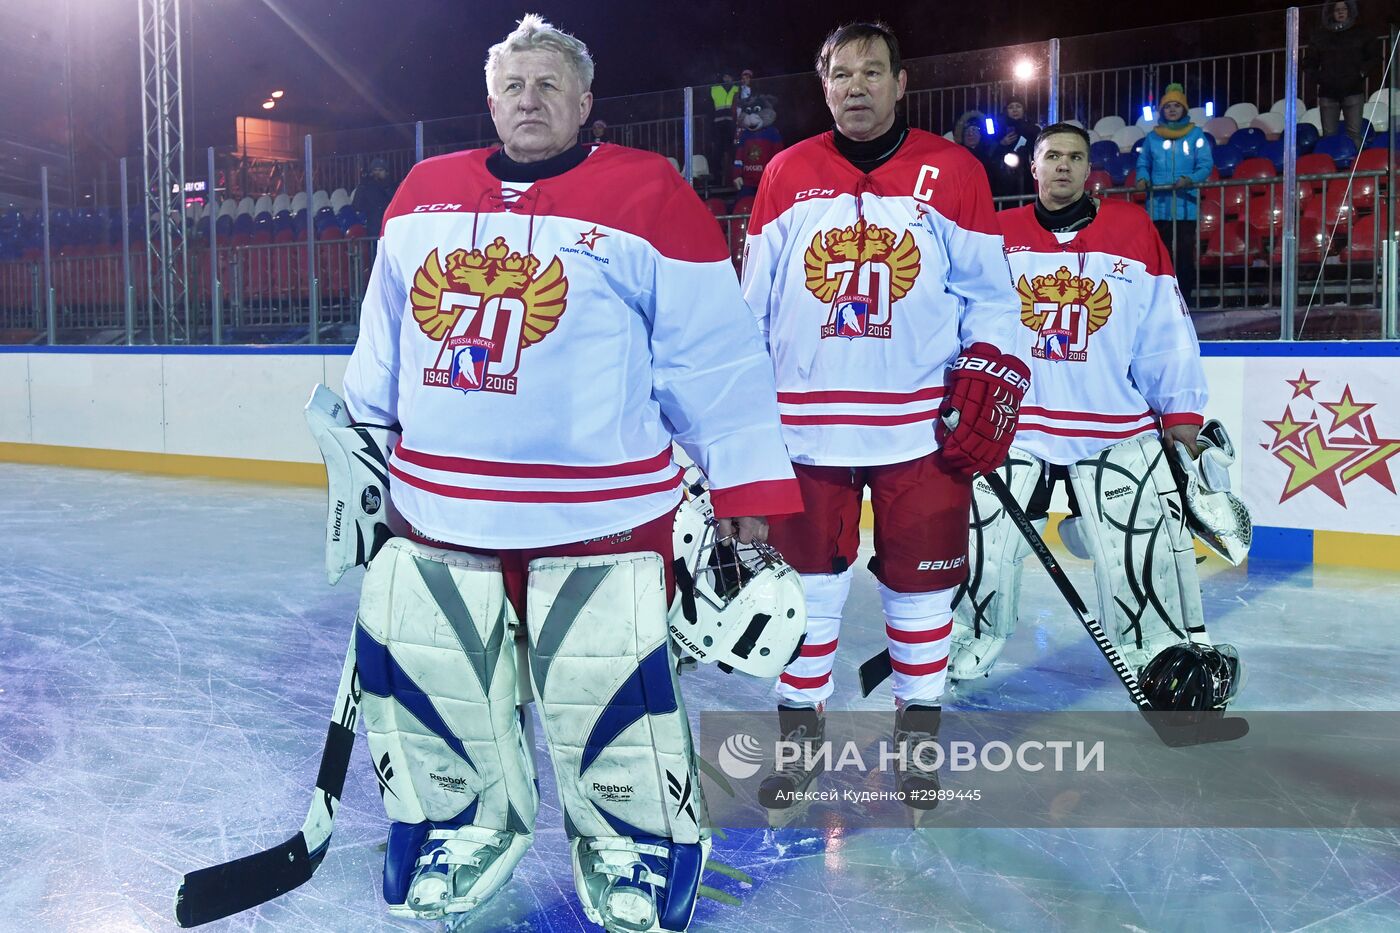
[721, 153]
[1180, 237]
[1350, 109]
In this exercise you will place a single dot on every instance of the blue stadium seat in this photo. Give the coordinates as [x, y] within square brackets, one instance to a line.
[1249, 140]
[1273, 151]
[1377, 141]
[1101, 151]
[243, 223]
[1340, 148]
[1308, 136]
[1227, 156]
[224, 225]
[1119, 165]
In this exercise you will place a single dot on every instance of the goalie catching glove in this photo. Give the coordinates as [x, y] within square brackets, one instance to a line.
[359, 516]
[979, 413]
[1214, 514]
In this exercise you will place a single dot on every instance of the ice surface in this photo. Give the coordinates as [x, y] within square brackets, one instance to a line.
[169, 651]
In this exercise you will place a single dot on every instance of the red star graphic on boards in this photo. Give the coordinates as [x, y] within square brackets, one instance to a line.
[590, 238]
[1346, 409]
[1302, 385]
[1119, 265]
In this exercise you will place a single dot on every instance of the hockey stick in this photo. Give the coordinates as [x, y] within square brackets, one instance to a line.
[222, 890]
[874, 671]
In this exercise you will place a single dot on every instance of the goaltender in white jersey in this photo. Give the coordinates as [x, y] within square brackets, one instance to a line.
[1116, 385]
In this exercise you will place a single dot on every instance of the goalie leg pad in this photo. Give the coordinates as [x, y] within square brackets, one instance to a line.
[360, 517]
[1134, 527]
[605, 680]
[984, 611]
[437, 667]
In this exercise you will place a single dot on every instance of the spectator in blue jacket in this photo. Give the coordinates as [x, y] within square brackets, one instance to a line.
[1174, 159]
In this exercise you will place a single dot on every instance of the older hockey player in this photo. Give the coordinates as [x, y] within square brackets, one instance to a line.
[874, 267]
[542, 320]
[1116, 372]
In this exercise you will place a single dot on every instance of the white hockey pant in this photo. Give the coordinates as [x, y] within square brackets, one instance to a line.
[985, 612]
[1134, 528]
[605, 681]
[437, 667]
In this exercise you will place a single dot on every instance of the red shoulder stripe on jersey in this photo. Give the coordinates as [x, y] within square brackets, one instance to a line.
[539, 496]
[908, 418]
[1035, 411]
[531, 470]
[859, 397]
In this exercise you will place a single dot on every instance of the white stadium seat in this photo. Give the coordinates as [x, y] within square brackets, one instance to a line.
[1125, 138]
[1242, 113]
[1107, 126]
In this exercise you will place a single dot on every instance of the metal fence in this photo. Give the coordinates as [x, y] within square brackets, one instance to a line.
[291, 255]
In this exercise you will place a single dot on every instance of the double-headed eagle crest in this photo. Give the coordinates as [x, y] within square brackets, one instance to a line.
[861, 243]
[495, 272]
[1061, 289]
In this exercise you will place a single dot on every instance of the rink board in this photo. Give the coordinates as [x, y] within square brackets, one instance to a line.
[1317, 426]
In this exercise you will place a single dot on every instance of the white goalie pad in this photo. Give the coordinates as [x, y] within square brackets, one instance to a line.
[740, 606]
[984, 611]
[437, 668]
[1215, 515]
[605, 681]
[1134, 528]
[360, 517]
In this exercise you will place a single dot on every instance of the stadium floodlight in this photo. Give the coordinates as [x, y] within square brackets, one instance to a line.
[269, 104]
[277, 95]
[1210, 108]
[1147, 112]
[991, 126]
[1024, 70]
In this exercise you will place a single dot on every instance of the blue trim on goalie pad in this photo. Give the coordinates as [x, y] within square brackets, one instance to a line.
[647, 691]
[382, 676]
[619, 826]
[682, 870]
[406, 844]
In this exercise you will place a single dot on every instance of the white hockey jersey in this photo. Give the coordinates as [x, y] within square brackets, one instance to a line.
[1109, 342]
[866, 286]
[541, 345]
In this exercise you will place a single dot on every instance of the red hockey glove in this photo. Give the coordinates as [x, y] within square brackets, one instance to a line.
[979, 413]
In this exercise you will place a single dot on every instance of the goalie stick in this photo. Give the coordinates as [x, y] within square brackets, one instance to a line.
[222, 890]
[1170, 727]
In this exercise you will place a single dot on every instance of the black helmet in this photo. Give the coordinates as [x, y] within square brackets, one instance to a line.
[1192, 677]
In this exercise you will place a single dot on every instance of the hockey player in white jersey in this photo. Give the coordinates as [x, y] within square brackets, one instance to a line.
[542, 321]
[1117, 394]
[874, 268]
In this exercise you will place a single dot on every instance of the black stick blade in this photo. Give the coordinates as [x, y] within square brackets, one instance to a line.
[874, 672]
[223, 890]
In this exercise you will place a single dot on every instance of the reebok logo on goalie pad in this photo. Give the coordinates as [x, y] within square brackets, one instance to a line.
[453, 785]
[616, 793]
[1117, 493]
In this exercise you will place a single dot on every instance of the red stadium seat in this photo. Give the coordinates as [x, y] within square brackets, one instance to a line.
[1097, 181]
[1361, 241]
[1366, 188]
[744, 205]
[1227, 246]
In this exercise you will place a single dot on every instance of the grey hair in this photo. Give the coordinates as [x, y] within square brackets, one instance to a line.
[535, 32]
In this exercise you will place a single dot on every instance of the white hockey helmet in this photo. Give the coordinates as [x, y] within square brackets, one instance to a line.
[737, 605]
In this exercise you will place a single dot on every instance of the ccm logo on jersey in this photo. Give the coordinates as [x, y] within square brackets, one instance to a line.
[949, 564]
[814, 193]
[995, 370]
[425, 208]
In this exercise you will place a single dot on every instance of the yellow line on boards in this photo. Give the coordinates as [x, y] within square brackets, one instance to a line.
[236, 468]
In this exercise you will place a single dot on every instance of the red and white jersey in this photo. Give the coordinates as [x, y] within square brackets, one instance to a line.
[541, 344]
[867, 286]
[1103, 328]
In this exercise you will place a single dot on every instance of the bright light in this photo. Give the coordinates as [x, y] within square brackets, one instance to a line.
[1147, 112]
[269, 104]
[1024, 70]
[1011, 159]
[991, 126]
[277, 95]
[1210, 108]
